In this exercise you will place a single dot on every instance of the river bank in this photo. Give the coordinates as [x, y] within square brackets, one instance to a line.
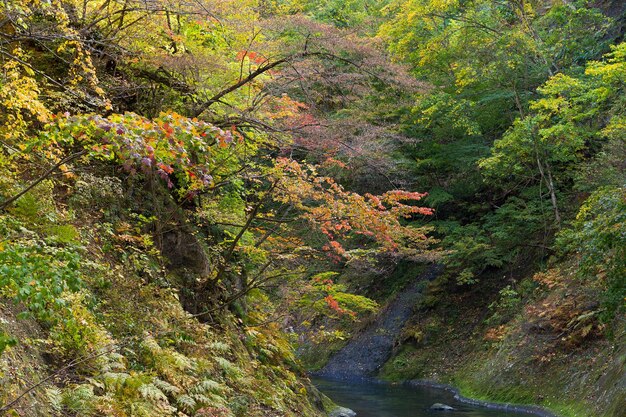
[508, 407]
[527, 362]
[370, 397]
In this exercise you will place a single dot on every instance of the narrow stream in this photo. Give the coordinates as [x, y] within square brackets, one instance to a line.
[371, 399]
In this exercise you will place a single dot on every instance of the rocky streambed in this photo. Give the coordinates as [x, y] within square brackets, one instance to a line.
[368, 351]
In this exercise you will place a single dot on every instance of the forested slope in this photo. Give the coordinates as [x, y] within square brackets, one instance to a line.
[519, 141]
[191, 191]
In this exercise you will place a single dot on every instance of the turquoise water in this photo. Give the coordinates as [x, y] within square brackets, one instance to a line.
[371, 399]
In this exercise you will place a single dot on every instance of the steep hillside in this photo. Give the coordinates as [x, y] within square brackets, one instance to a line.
[115, 340]
[539, 344]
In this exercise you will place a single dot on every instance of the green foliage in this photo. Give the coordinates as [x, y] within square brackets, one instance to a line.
[536, 162]
[63, 233]
[605, 168]
[573, 35]
[598, 240]
[503, 237]
[37, 206]
[77, 333]
[567, 122]
[482, 47]
[341, 13]
[471, 252]
[93, 191]
[38, 275]
[327, 298]
[486, 61]
[78, 399]
[229, 368]
[518, 222]
[505, 306]
[6, 341]
[446, 116]
[510, 119]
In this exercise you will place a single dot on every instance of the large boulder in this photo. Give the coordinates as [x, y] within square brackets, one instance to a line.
[441, 407]
[342, 412]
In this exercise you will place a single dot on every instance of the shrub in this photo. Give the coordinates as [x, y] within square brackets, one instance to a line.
[598, 239]
[37, 274]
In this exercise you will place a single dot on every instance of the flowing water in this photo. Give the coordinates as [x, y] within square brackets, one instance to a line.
[372, 399]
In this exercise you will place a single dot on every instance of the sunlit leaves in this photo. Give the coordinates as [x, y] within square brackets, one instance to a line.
[340, 214]
[188, 152]
[19, 100]
[26, 20]
[325, 297]
[567, 119]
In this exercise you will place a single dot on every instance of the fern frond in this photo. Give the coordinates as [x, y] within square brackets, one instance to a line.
[152, 392]
[207, 385]
[202, 399]
[166, 386]
[80, 400]
[55, 398]
[230, 368]
[186, 402]
[219, 347]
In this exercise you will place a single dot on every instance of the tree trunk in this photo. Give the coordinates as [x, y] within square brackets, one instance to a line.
[557, 215]
[547, 179]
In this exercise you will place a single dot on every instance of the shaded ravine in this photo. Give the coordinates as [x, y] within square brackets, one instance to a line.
[368, 351]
